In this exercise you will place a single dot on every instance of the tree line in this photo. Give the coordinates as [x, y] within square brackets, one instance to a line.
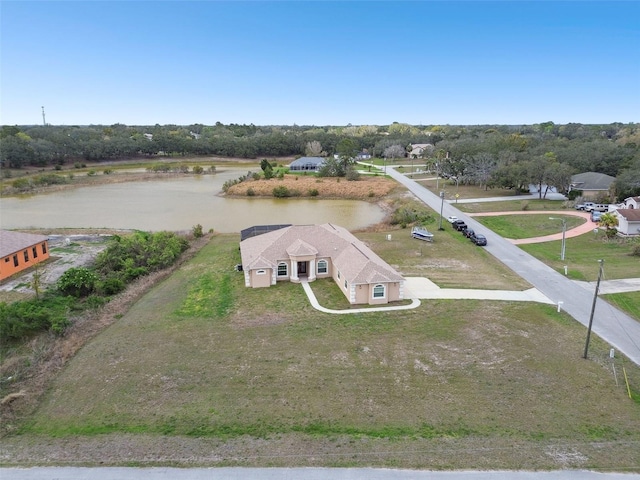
[509, 156]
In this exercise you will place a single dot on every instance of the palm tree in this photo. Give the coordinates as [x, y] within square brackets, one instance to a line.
[610, 221]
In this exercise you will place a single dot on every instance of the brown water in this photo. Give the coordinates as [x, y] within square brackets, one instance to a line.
[176, 204]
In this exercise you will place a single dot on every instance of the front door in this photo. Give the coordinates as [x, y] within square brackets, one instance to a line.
[302, 269]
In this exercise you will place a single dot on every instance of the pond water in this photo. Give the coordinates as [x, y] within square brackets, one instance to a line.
[176, 204]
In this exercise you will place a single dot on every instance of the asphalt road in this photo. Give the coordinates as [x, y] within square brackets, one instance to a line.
[125, 473]
[614, 326]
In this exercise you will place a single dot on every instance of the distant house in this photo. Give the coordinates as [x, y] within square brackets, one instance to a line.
[307, 164]
[418, 150]
[296, 252]
[631, 202]
[19, 251]
[591, 183]
[363, 155]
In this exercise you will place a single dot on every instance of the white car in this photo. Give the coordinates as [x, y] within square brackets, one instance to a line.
[452, 218]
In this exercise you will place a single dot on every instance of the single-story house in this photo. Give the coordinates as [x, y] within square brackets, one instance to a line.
[307, 164]
[19, 251]
[309, 252]
[363, 155]
[591, 183]
[628, 221]
[418, 150]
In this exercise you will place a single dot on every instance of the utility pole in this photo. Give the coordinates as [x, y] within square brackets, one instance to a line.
[441, 207]
[44, 123]
[593, 309]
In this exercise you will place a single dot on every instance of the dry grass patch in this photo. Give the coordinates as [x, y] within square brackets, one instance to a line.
[327, 187]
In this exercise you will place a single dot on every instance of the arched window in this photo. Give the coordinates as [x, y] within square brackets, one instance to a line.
[282, 269]
[378, 291]
[323, 266]
[261, 272]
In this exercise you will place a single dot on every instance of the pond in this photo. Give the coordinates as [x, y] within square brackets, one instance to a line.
[176, 204]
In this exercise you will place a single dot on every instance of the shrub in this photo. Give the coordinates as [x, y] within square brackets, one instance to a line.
[58, 167]
[281, 192]
[110, 286]
[212, 169]
[611, 232]
[313, 192]
[77, 165]
[78, 282]
[255, 176]
[91, 173]
[250, 192]
[197, 231]
[635, 251]
[21, 184]
[198, 170]
[107, 171]
[352, 175]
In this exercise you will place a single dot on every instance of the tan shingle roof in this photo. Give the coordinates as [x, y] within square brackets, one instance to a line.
[11, 242]
[355, 261]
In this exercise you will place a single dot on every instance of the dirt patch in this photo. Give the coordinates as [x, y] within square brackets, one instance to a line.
[372, 188]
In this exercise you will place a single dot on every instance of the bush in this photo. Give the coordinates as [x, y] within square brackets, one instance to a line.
[197, 231]
[635, 251]
[352, 174]
[110, 286]
[58, 167]
[313, 192]
[78, 282]
[198, 170]
[91, 173]
[21, 184]
[250, 192]
[107, 171]
[77, 165]
[281, 192]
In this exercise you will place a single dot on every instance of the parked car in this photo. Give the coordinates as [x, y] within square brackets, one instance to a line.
[451, 218]
[478, 239]
[595, 216]
[584, 206]
[459, 225]
[468, 233]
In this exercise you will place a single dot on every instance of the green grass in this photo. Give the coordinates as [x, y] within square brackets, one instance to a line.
[201, 355]
[582, 254]
[527, 226]
[512, 205]
[628, 302]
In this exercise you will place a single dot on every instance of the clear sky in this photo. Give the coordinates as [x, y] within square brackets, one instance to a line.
[319, 63]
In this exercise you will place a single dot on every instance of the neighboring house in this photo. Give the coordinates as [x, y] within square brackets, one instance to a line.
[418, 150]
[307, 164]
[591, 183]
[628, 221]
[320, 251]
[19, 251]
[631, 202]
[363, 155]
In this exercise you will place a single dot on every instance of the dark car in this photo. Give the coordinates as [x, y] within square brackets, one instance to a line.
[478, 239]
[459, 225]
[468, 233]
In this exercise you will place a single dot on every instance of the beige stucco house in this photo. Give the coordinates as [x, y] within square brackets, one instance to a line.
[296, 252]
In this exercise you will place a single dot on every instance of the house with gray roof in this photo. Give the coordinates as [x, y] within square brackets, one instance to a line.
[308, 252]
[307, 164]
[591, 183]
[628, 221]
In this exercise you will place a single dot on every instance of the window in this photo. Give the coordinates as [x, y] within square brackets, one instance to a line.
[345, 283]
[35, 252]
[338, 274]
[282, 269]
[26, 255]
[323, 267]
[15, 260]
[261, 272]
[44, 248]
[378, 291]
[6, 259]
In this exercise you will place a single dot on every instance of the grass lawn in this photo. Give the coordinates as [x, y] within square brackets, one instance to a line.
[629, 302]
[582, 255]
[258, 377]
[527, 226]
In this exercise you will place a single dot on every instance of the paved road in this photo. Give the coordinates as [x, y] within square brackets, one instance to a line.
[614, 326]
[126, 473]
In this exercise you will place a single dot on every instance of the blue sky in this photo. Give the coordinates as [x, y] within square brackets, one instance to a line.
[319, 63]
